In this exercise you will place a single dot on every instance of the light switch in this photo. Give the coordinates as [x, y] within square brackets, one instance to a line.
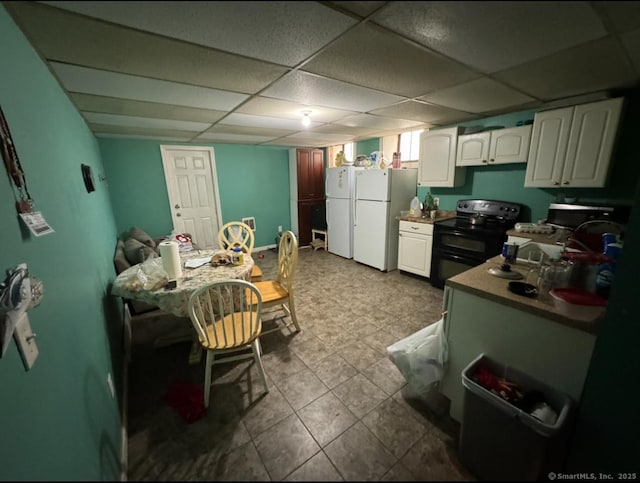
[26, 341]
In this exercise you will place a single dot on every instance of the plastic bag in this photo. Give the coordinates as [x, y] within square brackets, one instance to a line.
[184, 241]
[151, 275]
[421, 356]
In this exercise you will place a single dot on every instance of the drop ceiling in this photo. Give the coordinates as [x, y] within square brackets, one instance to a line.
[244, 72]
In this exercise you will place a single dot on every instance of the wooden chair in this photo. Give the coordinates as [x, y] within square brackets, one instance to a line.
[279, 292]
[238, 234]
[227, 318]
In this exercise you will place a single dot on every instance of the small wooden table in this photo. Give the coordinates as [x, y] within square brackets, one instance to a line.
[176, 301]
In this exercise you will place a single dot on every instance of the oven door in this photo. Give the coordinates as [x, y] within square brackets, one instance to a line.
[455, 251]
[445, 265]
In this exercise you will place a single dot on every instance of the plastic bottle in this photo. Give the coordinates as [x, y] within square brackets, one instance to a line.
[414, 208]
[606, 271]
[237, 257]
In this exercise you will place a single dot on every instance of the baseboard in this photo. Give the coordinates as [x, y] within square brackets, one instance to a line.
[266, 247]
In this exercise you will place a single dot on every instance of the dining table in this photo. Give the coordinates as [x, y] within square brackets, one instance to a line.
[175, 300]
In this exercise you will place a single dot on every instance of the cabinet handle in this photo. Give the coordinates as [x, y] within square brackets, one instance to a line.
[415, 228]
[491, 160]
[484, 160]
[556, 183]
[565, 182]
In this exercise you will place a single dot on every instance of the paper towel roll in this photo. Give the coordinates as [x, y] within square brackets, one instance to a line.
[171, 258]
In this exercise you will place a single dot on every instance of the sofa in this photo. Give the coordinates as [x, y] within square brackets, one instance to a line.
[132, 248]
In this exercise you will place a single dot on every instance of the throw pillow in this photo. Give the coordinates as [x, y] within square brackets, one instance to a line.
[142, 236]
[137, 252]
[120, 259]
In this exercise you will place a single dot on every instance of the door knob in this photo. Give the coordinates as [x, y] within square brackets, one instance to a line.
[177, 206]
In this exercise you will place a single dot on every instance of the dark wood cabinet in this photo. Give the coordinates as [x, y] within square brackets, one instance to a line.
[311, 203]
[310, 174]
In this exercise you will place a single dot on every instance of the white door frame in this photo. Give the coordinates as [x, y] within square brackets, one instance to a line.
[165, 150]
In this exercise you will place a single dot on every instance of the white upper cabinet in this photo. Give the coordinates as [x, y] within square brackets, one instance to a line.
[473, 149]
[437, 166]
[500, 146]
[571, 147]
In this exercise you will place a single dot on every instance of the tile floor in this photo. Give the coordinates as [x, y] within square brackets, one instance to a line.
[338, 408]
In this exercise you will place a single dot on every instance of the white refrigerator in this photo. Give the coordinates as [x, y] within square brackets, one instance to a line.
[380, 196]
[339, 190]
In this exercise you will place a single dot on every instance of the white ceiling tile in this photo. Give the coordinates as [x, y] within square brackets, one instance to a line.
[619, 16]
[264, 121]
[127, 107]
[480, 95]
[101, 134]
[74, 39]
[342, 129]
[493, 36]
[359, 8]
[141, 131]
[631, 42]
[232, 138]
[421, 112]
[144, 122]
[282, 32]
[372, 57]
[320, 137]
[252, 130]
[266, 106]
[588, 68]
[376, 122]
[103, 83]
[308, 88]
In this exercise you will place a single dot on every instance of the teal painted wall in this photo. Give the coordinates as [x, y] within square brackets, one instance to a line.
[58, 420]
[506, 182]
[367, 146]
[253, 181]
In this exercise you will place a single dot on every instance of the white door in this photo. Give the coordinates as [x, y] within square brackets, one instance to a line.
[370, 233]
[192, 186]
[340, 226]
[373, 184]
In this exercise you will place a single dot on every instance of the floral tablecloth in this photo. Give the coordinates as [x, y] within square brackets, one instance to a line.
[176, 300]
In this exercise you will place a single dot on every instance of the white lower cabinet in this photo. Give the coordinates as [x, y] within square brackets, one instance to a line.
[548, 351]
[414, 247]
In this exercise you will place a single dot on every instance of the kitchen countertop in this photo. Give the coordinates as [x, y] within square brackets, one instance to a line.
[479, 281]
[442, 215]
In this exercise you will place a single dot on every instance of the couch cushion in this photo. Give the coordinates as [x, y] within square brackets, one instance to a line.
[142, 236]
[120, 259]
[137, 252]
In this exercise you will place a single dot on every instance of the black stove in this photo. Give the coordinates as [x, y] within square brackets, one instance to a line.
[458, 244]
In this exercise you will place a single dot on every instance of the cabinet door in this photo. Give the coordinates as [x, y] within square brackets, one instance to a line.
[549, 141]
[591, 141]
[510, 145]
[437, 166]
[310, 164]
[473, 149]
[414, 253]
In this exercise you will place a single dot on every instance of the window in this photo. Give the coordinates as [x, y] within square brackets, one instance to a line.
[347, 149]
[410, 145]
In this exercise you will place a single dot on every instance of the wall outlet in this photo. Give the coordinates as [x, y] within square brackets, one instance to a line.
[26, 341]
[279, 228]
[437, 201]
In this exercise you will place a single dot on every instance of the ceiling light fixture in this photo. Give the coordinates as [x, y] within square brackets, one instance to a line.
[306, 120]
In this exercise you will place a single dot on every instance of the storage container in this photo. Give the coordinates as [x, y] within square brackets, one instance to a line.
[499, 441]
